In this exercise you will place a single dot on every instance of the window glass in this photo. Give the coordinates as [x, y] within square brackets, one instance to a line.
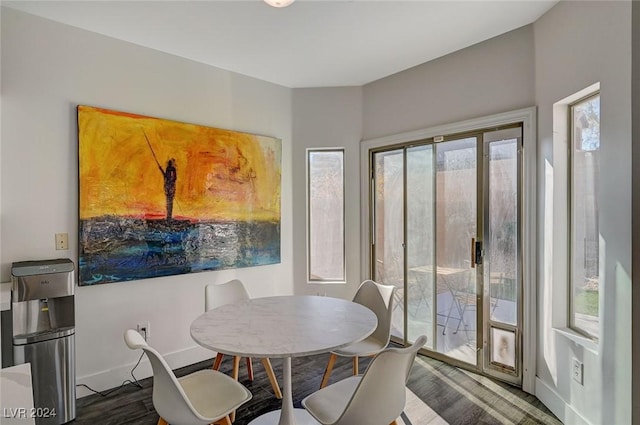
[325, 228]
[585, 175]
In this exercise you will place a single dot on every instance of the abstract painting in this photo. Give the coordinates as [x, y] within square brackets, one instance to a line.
[160, 197]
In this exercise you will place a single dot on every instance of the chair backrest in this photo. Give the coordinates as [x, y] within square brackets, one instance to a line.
[169, 399]
[380, 396]
[379, 298]
[217, 294]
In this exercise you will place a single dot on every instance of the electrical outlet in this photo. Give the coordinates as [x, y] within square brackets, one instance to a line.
[144, 328]
[577, 371]
[62, 241]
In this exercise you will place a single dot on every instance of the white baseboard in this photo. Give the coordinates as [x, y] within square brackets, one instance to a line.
[565, 412]
[105, 380]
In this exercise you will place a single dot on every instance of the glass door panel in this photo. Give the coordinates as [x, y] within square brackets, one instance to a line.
[502, 235]
[420, 219]
[388, 233]
[456, 223]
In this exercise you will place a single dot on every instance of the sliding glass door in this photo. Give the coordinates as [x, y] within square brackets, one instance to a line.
[434, 204]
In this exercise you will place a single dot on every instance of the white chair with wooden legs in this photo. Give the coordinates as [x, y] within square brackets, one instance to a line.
[201, 398]
[379, 298]
[376, 398]
[216, 295]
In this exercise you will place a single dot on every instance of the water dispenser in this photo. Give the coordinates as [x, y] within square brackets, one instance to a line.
[43, 322]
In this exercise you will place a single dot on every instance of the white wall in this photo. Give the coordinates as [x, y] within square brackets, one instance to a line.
[48, 69]
[491, 77]
[323, 118]
[0, 161]
[1, 95]
[578, 44]
[635, 188]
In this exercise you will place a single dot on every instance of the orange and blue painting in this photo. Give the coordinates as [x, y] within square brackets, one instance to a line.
[160, 197]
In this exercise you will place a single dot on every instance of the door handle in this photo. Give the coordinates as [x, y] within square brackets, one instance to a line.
[473, 253]
[476, 252]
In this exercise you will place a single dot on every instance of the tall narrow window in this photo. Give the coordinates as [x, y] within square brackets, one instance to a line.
[585, 175]
[325, 225]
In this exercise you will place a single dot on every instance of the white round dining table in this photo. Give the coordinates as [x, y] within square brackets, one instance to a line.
[283, 327]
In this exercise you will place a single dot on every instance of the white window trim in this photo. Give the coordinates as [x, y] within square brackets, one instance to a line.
[558, 262]
[528, 118]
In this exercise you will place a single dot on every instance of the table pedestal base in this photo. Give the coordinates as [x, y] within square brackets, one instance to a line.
[302, 417]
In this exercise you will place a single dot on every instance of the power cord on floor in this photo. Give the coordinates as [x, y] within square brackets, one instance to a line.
[126, 382]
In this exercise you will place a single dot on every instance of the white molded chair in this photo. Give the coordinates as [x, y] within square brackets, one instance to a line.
[201, 398]
[376, 398]
[216, 295]
[378, 298]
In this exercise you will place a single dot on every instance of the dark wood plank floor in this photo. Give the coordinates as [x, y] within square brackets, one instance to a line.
[459, 397]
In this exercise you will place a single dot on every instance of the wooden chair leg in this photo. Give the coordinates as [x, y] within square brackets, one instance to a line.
[250, 368]
[217, 361]
[355, 366]
[162, 422]
[327, 371]
[224, 421]
[394, 423]
[272, 377]
[234, 375]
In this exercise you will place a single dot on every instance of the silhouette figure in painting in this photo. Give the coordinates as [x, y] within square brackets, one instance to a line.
[170, 175]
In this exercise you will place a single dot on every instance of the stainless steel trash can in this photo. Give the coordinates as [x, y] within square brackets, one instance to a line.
[43, 322]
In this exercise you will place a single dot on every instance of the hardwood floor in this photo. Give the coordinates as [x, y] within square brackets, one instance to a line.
[457, 396]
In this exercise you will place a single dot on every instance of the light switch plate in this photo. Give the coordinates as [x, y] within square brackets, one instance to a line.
[62, 241]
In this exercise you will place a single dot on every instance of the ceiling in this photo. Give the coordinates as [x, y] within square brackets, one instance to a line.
[312, 43]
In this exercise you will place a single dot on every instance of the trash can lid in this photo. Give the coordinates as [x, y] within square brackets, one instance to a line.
[30, 268]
